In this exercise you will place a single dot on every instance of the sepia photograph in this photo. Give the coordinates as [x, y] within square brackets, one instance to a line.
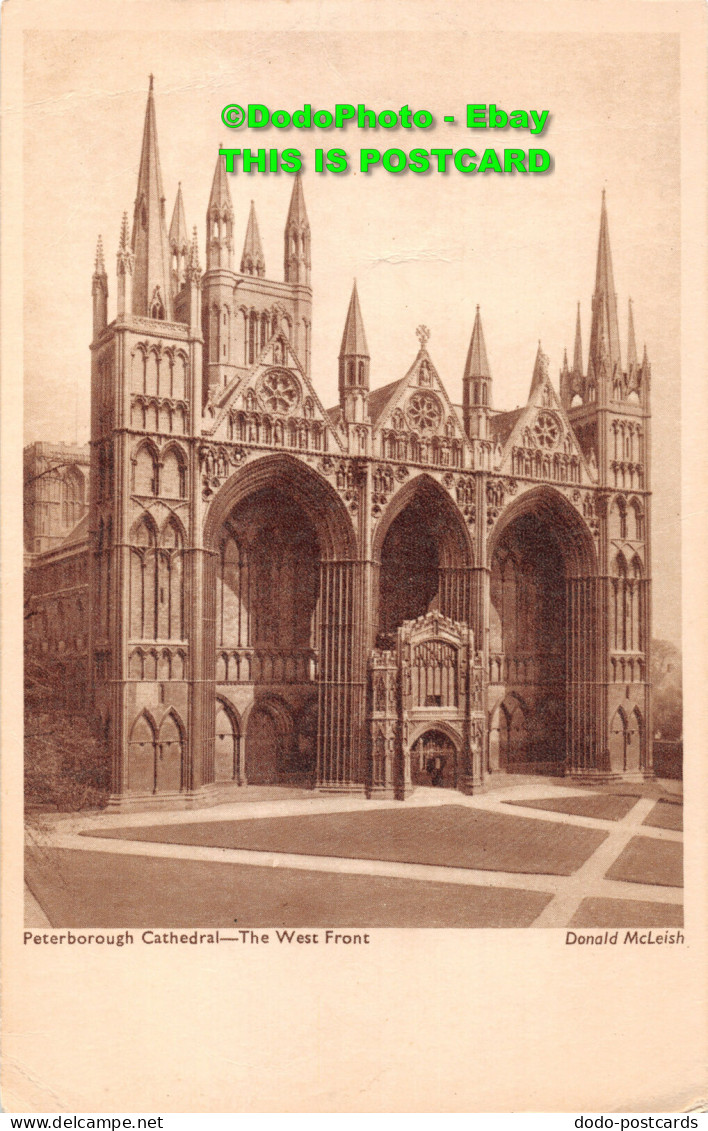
[351, 547]
[350, 635]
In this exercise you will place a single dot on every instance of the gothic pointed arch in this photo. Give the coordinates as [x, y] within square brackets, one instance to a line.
[142, 748]
[173, 472]
[554, 510]
[543, 593]
[269, 735]
[636, 512]
[170, 581]
[145, 461]
[435, 755]
[144, 579]
[618, 741]
[227, 743]
[291, 477]
[170, 753]
[424, 553]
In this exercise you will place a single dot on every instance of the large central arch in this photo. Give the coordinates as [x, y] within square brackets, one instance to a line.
[281, 588]
[543, 643]
[423, 555]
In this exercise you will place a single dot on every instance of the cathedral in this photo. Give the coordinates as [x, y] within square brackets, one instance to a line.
[398, 591]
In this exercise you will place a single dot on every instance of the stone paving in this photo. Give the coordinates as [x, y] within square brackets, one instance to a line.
[600, 886]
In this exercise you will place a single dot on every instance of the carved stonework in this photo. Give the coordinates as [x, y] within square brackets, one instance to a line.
[465, 494]
[547, 431]
[349, 477]
[217, 462]
[382, 482]
[279, 392]
[424, 413]
[587, 504]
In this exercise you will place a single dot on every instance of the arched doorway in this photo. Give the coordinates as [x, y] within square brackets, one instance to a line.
[635, 742]
[425, 560]
[434, 760]
[226, 744]
[268, 743]
[155, 761]
[541, 614]
[626, 742]
[517, 751]
[168, 766]
[618, 742]
[141, 763]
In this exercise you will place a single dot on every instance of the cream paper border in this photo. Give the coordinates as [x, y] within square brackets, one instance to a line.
[509, 1020]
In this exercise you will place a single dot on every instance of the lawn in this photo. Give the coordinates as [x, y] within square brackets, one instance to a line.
[447, 835]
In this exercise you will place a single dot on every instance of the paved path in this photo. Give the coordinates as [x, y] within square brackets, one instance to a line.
[588, 881]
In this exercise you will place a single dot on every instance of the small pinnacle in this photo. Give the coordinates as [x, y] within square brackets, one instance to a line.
[478, 308]
[99, 256]
[152, 79]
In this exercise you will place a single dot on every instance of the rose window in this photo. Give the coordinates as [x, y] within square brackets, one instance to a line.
[424, 412]
[546, 430]
[279, 391]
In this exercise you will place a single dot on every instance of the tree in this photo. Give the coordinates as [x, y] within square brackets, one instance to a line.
[667, 693]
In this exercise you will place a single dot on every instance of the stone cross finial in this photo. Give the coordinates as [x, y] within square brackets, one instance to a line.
[423, 334]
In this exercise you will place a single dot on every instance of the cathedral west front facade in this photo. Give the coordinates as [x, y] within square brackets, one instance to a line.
[397, 591]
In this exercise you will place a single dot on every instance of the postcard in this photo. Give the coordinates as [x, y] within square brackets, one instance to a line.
[354, 521]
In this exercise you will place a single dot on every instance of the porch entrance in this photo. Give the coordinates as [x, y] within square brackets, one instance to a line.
[434, 760]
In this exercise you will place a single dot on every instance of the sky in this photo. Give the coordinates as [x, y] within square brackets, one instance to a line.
[423, 249]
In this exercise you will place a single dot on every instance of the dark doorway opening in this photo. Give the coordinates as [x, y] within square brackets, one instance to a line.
[434, 760]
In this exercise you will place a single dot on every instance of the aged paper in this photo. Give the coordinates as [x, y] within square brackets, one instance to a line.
[357, 566]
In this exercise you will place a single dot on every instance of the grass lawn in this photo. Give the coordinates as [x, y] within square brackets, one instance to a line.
[97, 889]
[604, 806]
[626, 913]
[649, 861]
[666, 815]
[448, 835]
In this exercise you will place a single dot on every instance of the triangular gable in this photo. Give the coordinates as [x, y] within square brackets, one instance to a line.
[423, 377]
[277, 353]
[543, 426]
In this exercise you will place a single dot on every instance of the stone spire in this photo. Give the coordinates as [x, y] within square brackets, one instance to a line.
[125, 261]
[604, 331]
[297, 238]
[477, 364]
[99, 266]
[252, 259]
[476, 384]
[631, 342]
[152, 291]
[578, 349]
[354, 363]
[179, 242]
[193, 283]
[99, 290]
[193, 270]
[354, 337]
[220, 220]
